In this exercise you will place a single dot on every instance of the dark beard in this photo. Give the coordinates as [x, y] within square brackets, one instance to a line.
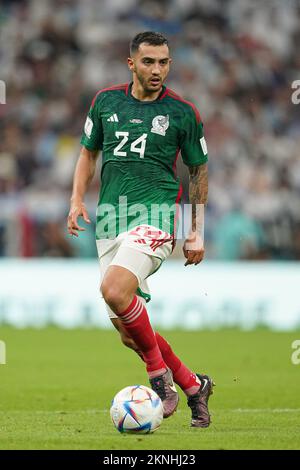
[143, 82]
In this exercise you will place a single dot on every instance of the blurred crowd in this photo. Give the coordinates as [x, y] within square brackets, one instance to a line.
[235, 59]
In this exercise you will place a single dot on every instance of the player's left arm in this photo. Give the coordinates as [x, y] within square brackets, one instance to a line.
[193, 247]
[194, 154]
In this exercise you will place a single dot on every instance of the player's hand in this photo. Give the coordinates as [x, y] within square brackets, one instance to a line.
[193, 249]
[77, 209]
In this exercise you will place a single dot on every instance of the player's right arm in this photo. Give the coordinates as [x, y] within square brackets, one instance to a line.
[83, 175]
[91, 140]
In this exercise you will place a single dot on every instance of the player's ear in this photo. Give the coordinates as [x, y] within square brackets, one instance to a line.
[130, 63]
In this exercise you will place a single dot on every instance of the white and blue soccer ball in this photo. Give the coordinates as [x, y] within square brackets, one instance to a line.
[136, 409]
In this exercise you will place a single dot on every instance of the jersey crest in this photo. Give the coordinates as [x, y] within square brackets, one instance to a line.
[160, 124]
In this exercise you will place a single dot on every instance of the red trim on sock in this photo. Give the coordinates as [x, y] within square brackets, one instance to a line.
[130, 307]
[136, 323]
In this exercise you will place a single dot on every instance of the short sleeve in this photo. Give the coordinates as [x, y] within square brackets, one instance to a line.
[193, 144]
[92, 135]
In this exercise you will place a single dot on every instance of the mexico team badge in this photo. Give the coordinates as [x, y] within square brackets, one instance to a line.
[160, 124]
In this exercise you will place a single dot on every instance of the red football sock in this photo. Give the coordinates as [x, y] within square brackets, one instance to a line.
[136, 323]
[184, 377]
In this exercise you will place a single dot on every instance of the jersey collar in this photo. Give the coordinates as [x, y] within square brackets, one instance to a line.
[132, 98]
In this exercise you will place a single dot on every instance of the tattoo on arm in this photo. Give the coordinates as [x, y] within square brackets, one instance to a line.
[198, 192]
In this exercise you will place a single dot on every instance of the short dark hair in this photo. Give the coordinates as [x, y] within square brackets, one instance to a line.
[150, 37]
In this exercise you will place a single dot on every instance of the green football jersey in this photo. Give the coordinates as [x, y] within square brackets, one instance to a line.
[140, 143]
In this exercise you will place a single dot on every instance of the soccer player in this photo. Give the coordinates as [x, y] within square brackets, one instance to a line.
[140, 128]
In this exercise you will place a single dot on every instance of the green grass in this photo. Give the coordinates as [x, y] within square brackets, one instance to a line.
[56, 388]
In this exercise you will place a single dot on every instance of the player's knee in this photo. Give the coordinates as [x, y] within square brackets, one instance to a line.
[112, 295]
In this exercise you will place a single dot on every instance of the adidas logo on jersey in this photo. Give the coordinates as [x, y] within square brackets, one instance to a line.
[113, 118]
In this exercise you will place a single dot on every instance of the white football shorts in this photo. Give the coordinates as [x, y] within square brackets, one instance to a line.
[140, 250]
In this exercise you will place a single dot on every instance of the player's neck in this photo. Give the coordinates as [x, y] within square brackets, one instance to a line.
[141, 94]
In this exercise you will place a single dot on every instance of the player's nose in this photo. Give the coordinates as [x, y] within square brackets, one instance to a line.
[155, 70]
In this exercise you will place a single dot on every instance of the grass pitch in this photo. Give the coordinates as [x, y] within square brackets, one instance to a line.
[57, 385]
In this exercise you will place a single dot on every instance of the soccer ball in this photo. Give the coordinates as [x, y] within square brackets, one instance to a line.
[136, 409]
